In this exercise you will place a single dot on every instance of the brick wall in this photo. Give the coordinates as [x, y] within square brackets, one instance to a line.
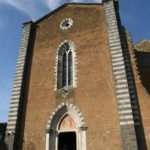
[94, 94]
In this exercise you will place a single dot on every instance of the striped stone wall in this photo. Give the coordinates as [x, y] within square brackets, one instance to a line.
[17, 97]
[120, 77]
[133, 93]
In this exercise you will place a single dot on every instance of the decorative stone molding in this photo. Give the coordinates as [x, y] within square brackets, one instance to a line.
[73, 50]
[66, 23]
[60, 111]
[52, 132]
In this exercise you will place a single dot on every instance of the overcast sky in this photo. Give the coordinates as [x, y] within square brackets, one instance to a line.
[134, 15]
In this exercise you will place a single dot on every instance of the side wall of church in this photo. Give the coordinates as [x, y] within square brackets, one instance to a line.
[144, 102]
[94, 94]
[143, 96]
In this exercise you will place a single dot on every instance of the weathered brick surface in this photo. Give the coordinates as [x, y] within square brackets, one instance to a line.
[95, 93]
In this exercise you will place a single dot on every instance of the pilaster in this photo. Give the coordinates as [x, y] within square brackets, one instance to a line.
[17, 96]
[119, 68]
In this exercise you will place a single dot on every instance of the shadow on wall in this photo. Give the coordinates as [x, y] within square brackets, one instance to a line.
[143, 63]
[3, 146]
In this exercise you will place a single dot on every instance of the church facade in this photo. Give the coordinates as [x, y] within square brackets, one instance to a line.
[77, 86]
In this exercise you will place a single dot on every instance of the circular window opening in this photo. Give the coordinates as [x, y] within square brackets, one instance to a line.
[66, 23]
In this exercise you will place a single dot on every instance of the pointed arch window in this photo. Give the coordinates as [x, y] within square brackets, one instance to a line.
[65, 67]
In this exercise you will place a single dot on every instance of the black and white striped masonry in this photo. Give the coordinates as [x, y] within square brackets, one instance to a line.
[140, 135]
[17, 97]
[120, 77]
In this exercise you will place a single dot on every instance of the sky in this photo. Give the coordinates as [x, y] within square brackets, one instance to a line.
[134, 16]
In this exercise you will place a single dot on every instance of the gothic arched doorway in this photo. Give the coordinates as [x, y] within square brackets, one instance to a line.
[67, 134]
[66, 129]
[67, 141]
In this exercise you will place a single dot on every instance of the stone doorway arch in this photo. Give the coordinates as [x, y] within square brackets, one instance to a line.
[66, 118]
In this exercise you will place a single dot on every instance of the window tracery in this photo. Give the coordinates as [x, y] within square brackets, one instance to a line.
[66, 23]
[66, 65]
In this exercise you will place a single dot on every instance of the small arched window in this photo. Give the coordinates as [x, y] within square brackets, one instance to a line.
[65, 65]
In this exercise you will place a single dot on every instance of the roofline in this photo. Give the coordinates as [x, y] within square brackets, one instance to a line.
[138, 42]
[64, 5]
[27, 22]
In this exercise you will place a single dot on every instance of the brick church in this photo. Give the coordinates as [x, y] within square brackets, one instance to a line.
[80, 83]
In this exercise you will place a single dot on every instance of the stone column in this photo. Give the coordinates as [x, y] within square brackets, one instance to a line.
[81, 133]
[47, 140]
